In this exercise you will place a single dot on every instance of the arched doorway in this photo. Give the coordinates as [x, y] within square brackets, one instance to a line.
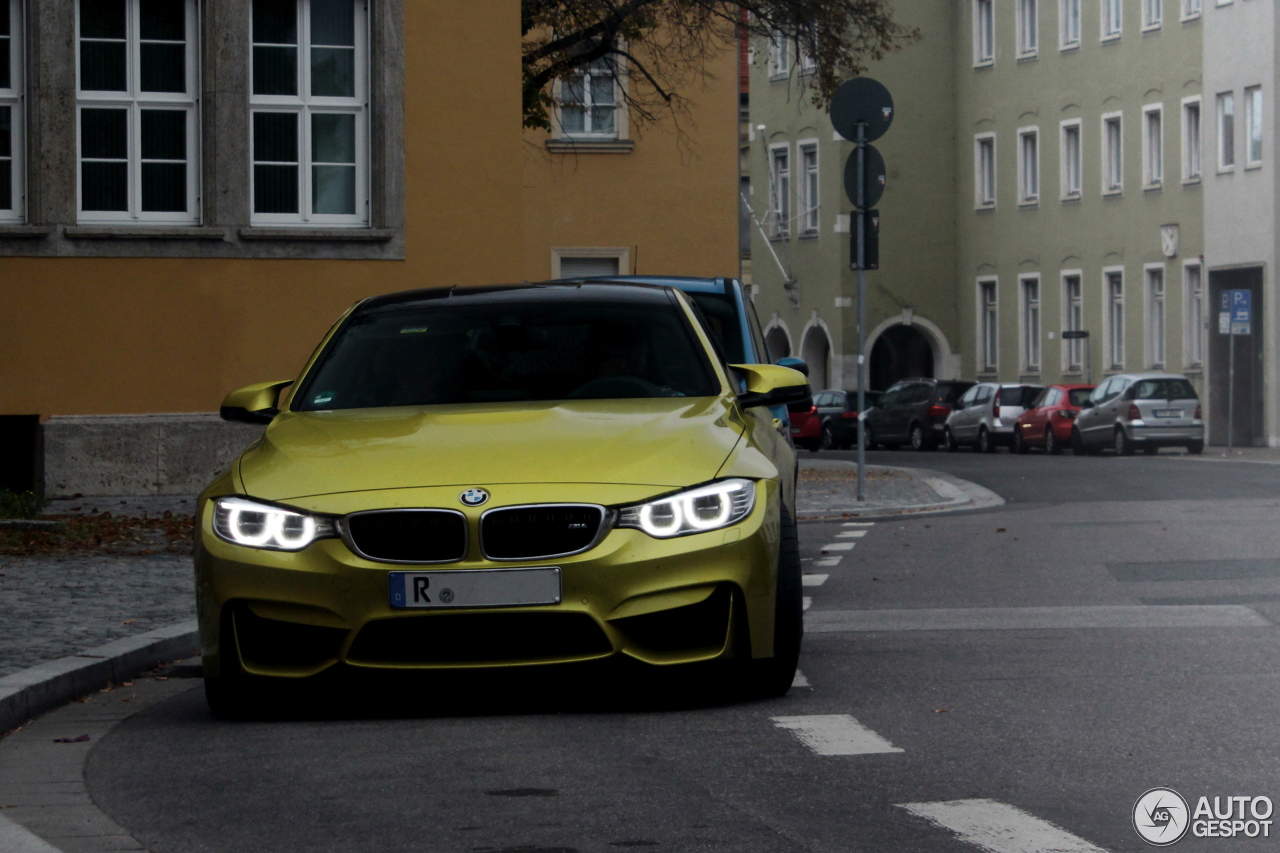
[778, 342]
[901, 352]
[816, 351]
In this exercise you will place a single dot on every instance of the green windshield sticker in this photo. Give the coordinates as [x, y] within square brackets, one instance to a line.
[322, 398]
[413, 330]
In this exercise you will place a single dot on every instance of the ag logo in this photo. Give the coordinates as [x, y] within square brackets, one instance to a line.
[1160, 816]
[474, 497]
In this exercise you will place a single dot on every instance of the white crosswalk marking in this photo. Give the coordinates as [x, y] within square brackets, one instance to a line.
[814, 580]
[806, 602]
[851, 534]
[829, 561]
[837, 546]
[800, 680]
[835, 734]
[859, 524]
[1000, 828]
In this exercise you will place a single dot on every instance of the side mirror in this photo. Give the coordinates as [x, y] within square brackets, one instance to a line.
[795, 364]
[254, 404]
[771, 385]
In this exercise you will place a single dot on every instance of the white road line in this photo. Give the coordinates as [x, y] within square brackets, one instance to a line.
[806, 602]
[851, 534]
[1035, 618]
[835, 734]
[1000, 828]
[829, 561]
[15, 838]
[800, 680]
[837, 546]
[814, 580]
[859, 524]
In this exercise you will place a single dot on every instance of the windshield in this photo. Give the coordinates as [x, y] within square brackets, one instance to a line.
[723, 322]
[947, 393]
[1078, 396]
[1019, 395]
[494, 351]
[1164, 389]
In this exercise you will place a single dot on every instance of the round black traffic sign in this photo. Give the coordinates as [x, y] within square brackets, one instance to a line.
[862, 100]
[875, 172]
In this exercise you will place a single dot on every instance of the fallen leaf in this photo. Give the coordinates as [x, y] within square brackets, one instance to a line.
[1001, 530]
[128, 622]
[126, 684]
[942, 710]
[162, 678]
[80, 739]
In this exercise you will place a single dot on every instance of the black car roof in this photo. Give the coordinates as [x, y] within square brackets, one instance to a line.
[542, 291]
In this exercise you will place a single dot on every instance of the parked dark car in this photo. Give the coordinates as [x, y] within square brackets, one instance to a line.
[835, 414]
[913, 411]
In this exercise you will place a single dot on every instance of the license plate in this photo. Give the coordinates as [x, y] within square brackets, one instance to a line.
[1168, 413]
[480, 588]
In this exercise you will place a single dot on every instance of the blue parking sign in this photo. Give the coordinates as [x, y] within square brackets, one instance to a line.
[1241, 303]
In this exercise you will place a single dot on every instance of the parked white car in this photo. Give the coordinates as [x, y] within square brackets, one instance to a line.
[985, 416]
[1147, 410]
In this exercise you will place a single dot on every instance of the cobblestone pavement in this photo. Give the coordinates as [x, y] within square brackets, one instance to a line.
[129, 505]
[57, 606]
[826, 483]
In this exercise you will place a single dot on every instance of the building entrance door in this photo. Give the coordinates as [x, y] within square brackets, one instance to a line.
[1249, 428]
[901, 352]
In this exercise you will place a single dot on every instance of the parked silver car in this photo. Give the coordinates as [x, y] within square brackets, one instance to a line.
[1147, 410]
[985, 416]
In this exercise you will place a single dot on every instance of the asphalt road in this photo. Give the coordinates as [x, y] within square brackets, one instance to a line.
[1008, 680]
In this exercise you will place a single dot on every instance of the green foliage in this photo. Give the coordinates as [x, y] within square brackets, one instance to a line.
[20, 504]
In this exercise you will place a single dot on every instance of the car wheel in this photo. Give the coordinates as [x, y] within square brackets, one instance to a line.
[1051, 444]
[772, 677]
[828, 437]
[1019, 445]
[985, 443]
[869, 436]
[919, 439]
[1124, 447]
[1195, 448]
[810, 444]
[949, 441]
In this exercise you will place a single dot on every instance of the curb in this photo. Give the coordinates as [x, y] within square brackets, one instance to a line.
[957, 496]
[41, 688]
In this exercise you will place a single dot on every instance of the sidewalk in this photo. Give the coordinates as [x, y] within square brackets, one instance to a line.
[828, 488]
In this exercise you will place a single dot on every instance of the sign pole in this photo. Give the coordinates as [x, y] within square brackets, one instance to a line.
[862, 308]
[1231, 384]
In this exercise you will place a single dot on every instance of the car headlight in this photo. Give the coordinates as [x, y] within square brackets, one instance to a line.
[696, 510]
[256, 525]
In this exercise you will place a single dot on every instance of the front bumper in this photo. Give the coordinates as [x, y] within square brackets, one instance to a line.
[692, 598]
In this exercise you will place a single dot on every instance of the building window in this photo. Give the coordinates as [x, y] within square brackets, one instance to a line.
[1112, 20]
[1028, 166]
[1190, 9]
[780, 189]
[309, 103]
[1152, 14]
[1253, 125]
[1193, 287]
[809, 163]
[1028, 27]
[12, 185]
[1152, 147]
[589, 102]
[1073, 319]
[984, 32]
[779, 55]
[1226, 131]
[1155, 316]
[1031, 324]
[988, 330]
[137, 116]
[1069, 26]
[1114, 288]
[1192, 158]
[1072, 160]
[985, 170]
[1112, 154]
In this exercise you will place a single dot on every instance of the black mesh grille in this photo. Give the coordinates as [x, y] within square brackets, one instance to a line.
[531, 533]
[409, 536]
[475, 638]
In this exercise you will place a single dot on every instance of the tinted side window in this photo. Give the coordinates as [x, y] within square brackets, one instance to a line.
[891, 396]
[969, 396]
[757, 336]
[947, 393]
[1079, 395]
[985, 393]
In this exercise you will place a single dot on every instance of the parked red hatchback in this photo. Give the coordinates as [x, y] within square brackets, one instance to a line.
[1047, 422]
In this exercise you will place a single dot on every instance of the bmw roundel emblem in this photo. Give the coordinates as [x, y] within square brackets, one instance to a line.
[474, 497]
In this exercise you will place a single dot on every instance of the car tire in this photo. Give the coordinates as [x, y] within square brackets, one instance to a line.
[869, 436]
[809, 444]
[919, 438]
[1124, 446]
[949, 441]
[768, 678]
[985, 442]
[1019, 444]
[828, 437]
[1195, 448]
[1052, 446]
[1151, 450]
[1077, 443]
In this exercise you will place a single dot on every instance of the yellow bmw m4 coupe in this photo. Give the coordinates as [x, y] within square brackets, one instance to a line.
[505, 477]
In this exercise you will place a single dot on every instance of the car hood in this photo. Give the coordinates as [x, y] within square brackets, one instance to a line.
[665, 443]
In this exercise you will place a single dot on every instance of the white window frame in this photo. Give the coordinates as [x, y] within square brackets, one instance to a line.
[620, 113]
[14, 98]
[1112, 155]
[1073, 350]
[810, 189]
[1069, 24]
[1113, 331]
[1194, 313]
[780, 201]
[1153, 146]
[1155, 315]
[1152, 15]
[1254, 126]
[134, 101]
[1226, 147]
[1112, 13]
[779, 56]
[1028, 166]
[1071, 167]
[1192, 140]
[984, 172]
[988, 337]
[1030, 321]
[1027, 13]
[1191, 9]
[304, 105]
[621, 253]
[984, 33]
